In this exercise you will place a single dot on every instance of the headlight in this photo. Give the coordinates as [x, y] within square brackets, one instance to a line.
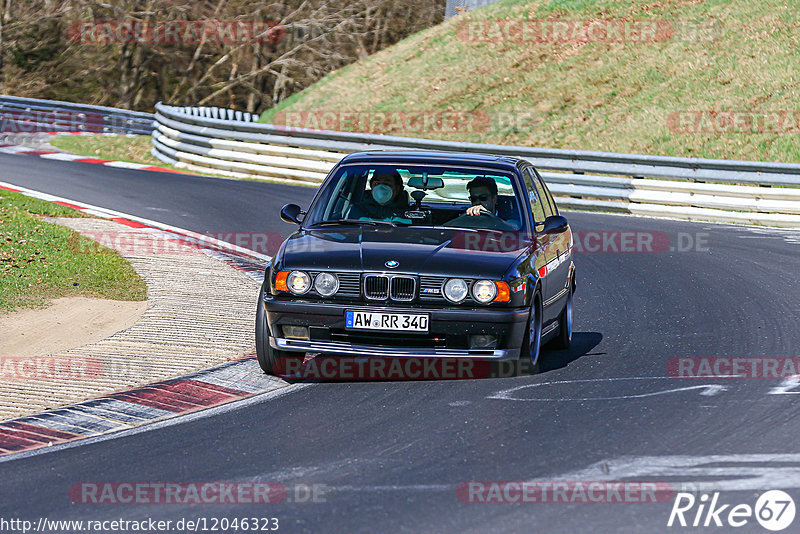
[455, 290]
[299, 282]
[484, 291]
[326, 284]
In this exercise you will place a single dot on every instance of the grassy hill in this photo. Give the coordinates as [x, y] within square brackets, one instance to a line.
[709, 78]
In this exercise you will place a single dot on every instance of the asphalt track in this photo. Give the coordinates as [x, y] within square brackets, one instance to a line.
[391, 455]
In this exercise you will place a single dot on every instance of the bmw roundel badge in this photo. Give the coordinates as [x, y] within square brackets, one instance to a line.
[392, 264]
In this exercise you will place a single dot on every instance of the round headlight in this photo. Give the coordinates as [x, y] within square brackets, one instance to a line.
[484, 291]
[299, 282]
[326, 284]
[455, 290]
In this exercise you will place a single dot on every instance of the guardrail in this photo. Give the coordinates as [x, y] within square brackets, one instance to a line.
[231, 143]
[29, 115]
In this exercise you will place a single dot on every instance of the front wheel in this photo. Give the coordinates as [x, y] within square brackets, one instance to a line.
[564, 339]
[529, 355]
[266, 355]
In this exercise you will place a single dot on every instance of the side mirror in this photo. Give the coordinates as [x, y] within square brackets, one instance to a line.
[291, 213]
[555, 224]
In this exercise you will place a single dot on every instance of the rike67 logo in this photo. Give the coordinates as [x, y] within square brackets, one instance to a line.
[774, 510]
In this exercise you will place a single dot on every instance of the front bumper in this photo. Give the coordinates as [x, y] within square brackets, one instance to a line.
[390, 352]
[448, 326]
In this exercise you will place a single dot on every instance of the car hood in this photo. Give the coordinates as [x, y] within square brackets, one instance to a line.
[446, 252]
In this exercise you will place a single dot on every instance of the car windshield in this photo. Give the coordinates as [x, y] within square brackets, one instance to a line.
[403, 195]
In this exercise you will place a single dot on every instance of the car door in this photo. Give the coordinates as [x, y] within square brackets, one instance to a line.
[545, 253]
[559, 256]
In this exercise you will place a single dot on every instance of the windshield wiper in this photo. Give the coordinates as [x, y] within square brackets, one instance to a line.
[356, 222]
[463, 229]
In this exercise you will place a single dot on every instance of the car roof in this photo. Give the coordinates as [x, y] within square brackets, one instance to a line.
[418, 157]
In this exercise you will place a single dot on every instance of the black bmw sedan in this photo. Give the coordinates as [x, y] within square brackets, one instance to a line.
[421, 254]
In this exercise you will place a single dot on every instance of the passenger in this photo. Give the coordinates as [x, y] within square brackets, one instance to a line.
[385, 199]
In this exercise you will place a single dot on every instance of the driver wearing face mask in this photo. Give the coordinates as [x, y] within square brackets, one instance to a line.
[385, 199]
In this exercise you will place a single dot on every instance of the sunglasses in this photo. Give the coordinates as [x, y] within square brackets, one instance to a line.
[479, 198]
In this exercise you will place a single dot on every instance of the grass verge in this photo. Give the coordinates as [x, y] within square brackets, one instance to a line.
[41, 261]
[134, 149]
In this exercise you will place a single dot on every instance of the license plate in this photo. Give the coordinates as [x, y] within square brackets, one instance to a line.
[399, 322]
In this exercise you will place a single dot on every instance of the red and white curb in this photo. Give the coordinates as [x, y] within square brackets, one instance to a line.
[63, 156]
[248, 261]
[129, 409]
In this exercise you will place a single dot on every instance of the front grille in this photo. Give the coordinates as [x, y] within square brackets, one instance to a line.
[403, 288]
[376, 287]
[349, 284]
[430, 287]
[395, 287]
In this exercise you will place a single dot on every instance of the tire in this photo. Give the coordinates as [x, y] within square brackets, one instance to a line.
[564, 339]
[266, 355]
[530, 351]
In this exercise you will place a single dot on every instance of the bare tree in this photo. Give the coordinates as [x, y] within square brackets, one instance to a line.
[44, 51]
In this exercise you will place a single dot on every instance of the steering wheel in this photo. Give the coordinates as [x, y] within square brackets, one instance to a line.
[491, 222]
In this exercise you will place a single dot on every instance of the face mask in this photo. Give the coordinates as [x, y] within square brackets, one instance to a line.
[382, 194]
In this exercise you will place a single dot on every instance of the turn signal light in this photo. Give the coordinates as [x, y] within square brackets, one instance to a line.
[503, 292]
[280, 281]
